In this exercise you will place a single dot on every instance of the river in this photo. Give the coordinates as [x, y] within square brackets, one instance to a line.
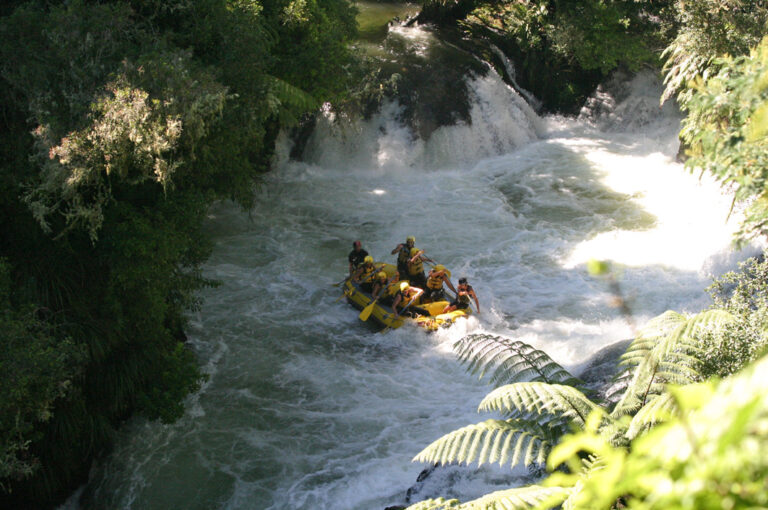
[306, 407]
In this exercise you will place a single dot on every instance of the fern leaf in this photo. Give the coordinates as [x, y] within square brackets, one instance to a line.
[491, 441]
[286, 100]
[520, 399]
[656, 329]
[435, 504]
[685, 334]
[590, 464]
[660, 409]
[478, 355]
[671, 359]
[522, 498]
[509, 361]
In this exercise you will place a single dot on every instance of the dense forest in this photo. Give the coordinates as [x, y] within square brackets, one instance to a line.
[123, 121]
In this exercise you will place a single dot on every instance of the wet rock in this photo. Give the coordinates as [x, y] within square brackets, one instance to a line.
[599, 372]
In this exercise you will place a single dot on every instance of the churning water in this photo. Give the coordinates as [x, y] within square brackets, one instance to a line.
[309, 408]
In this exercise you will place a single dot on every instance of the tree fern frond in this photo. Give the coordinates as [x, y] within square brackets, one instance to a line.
[435, 504]
[656, 329]
[660, 409]
[522, 498]
[685, 333]
[491, 441]
[531, 364]
[671, 355]
[509, 360]
[519, 399]
[666, 378]
[590, 464]
[477, 354]
[286, 100]
[678, 368]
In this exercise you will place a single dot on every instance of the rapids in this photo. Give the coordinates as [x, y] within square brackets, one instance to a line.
[306, 407]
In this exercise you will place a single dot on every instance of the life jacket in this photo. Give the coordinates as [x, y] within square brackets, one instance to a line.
[435, 282]
[393, 289]
[416, 267]
[368, 273]
[405, 298]
[465, 298]
[403, 255]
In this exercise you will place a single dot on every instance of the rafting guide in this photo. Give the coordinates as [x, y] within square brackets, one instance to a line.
[356, 256]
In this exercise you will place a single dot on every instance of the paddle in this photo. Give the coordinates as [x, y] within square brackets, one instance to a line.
[406, 306]
[401, 311]
[367, 310]
[342, 281]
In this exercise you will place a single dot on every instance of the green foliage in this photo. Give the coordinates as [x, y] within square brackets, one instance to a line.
[744, 294]
[562, 403]
[659, 409]
[132, 138]
[712, 457]
[725, 133]
[37, 369]
[707, 30]
[601, 34]
[665, 352]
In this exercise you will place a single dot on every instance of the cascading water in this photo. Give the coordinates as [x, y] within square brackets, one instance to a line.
[306, 406]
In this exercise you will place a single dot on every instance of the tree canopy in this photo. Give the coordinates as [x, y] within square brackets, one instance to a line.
[120, 122]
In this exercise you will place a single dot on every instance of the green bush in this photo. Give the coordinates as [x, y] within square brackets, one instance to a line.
[744, 294]
[707, 30]
[121, 122]
[37, 369]
[726, 133]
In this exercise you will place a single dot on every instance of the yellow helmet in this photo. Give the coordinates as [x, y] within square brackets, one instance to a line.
[404, 286]
[440, 267]
[381, 275]
[414, 251]
[410, 239]
[368, 259]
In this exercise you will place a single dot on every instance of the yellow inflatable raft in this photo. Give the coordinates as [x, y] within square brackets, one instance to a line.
[383, 314]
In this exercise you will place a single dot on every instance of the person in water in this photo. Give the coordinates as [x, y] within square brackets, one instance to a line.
[404, 299]
[403, 255]
[463, 295]
[434, 289]
[356, 256]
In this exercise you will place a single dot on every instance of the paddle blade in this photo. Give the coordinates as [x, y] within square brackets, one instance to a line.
[367, 311]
